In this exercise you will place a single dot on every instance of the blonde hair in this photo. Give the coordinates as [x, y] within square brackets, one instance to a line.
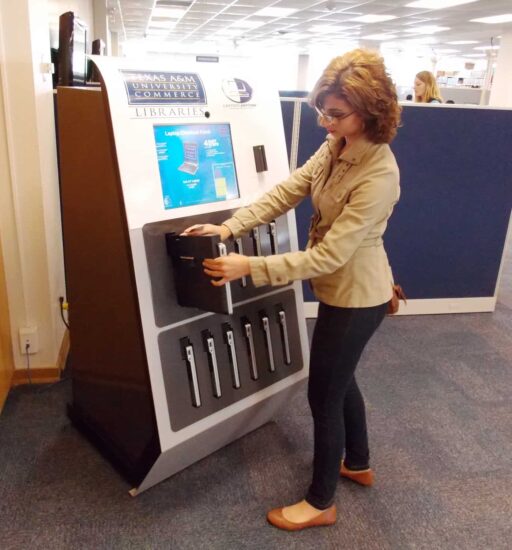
[431, 89]
[359, 77]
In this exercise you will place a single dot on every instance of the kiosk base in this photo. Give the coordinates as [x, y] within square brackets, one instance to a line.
[133, 472]
[200, 446]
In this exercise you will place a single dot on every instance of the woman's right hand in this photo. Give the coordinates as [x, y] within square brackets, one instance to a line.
[208, 229]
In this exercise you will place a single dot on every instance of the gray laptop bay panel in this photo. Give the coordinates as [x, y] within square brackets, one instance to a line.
[182, 410]
[166, 309]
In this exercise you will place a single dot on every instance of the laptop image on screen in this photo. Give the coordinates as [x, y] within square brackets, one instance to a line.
[190, 163]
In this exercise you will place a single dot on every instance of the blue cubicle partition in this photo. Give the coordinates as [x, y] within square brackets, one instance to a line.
[447, 235]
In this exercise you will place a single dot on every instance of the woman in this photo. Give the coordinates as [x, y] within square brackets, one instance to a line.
[353, 181]
[425, 88]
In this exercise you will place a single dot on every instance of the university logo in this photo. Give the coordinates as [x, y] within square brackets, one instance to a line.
[163, 88]
[237, 90]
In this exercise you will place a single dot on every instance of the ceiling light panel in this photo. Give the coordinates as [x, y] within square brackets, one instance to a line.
[326, 28]
[162, 24]
[247, 24]
[373, 18]
[240, 10]
[228, 19]
[157, 32]
[275, 12]
[173, 13]
[229, 32]
[422, 41]
[462, 42]
[379, 37]
[494, 19]
[438, 4]
[427, 29]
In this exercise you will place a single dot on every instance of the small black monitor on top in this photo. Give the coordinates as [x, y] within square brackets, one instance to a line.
[72, 69]
[98, 48]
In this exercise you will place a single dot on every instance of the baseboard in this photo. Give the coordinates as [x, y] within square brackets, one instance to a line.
[63, 352]
[5, 386]
[44, 375]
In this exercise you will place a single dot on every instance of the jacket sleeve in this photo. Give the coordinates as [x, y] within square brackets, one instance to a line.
[369, 203]
[280, 199]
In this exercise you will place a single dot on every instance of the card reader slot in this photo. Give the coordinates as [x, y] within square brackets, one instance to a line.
[187, 353]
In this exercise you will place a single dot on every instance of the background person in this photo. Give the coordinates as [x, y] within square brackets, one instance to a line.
[353, 181]
[425, 88]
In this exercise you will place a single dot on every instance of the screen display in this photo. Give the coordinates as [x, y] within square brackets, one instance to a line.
[196, 164]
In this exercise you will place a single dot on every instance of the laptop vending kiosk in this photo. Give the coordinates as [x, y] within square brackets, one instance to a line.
[167, 368]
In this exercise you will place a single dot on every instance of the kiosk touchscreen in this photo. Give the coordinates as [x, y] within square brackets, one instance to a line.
[168, 368]
[196, 164]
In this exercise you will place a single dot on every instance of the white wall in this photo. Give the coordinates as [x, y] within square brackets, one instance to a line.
[29, 198]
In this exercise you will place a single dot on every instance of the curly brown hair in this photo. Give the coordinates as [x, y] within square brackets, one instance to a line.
[359, 77]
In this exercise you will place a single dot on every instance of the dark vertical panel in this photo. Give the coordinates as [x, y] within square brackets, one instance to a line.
[287, 110]
[311, 136]
[112, 399]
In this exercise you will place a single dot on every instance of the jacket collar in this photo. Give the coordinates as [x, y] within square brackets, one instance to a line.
[355, 153]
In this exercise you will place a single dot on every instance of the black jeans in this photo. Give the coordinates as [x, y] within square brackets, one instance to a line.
[336, 403]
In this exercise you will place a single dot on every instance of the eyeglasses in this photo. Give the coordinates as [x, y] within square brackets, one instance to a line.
[332, 118]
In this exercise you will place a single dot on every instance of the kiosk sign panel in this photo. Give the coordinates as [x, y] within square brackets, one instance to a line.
[196, 164]
[161, 87]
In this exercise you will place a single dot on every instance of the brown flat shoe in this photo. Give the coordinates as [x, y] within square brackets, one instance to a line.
[276, 518]
[363, 477]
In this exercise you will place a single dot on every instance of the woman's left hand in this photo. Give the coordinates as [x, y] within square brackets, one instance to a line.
[227, 268]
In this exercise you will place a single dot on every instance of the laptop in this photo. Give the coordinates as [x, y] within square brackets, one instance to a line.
[190, 164]
[193, 286]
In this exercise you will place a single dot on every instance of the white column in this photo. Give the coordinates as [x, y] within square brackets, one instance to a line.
[114, 44]
[30, 225]
[302, 71]
[486, 86]
[501, 89]
[101, 29]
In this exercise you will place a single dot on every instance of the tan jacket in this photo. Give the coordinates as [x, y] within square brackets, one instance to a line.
[345, 257]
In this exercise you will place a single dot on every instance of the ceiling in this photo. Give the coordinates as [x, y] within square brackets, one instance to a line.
[219, 24]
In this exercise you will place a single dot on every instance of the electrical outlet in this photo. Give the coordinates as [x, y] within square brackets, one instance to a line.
[29, 335]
